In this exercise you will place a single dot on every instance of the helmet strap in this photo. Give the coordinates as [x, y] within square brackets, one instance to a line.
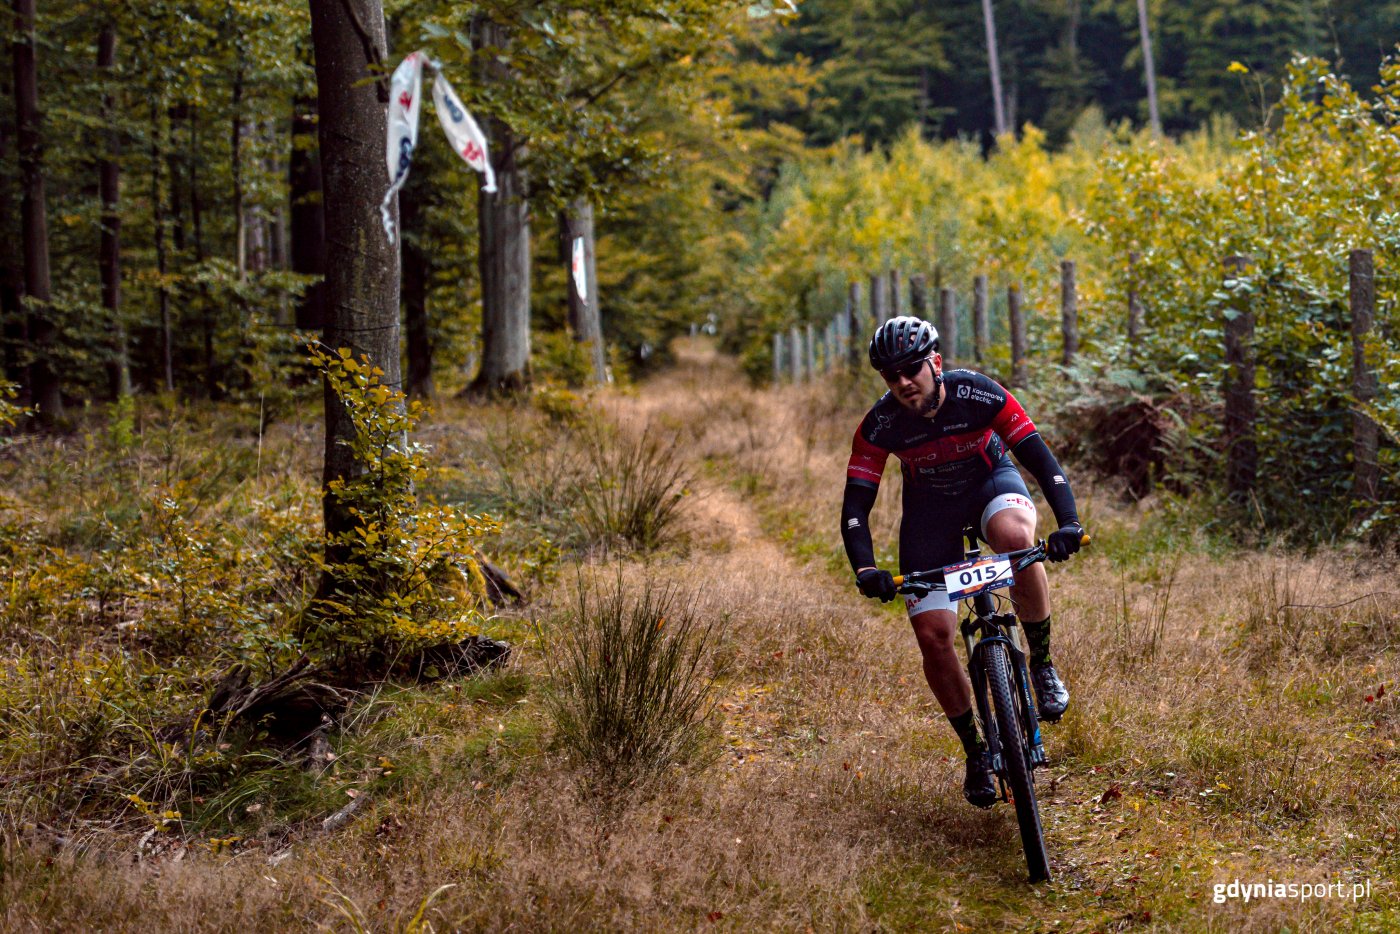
[932, 406]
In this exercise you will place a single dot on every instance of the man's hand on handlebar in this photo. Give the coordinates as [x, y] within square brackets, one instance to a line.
[1065, 542]
[874, 582]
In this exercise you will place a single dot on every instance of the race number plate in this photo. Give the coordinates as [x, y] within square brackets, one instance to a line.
[973, 577]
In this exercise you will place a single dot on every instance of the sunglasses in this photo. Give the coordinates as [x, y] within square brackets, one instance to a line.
[908, 371]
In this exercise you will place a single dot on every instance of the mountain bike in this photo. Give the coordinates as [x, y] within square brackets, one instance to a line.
[1000, 682]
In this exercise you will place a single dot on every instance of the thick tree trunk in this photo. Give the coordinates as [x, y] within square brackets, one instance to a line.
[45, 389]
[1149, 70]
[994, 66]
[416, 272]
[585, 319]
[362, 267]
[308, 221]
[504, 250]
[108, 190]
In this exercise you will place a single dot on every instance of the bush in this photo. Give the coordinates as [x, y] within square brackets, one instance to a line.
[406, 577]
[630, 691]
[634, 492]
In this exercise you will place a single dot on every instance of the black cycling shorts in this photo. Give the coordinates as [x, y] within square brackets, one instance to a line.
[930, 534]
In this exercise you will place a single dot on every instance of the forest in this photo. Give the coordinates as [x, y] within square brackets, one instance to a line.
[423, 429]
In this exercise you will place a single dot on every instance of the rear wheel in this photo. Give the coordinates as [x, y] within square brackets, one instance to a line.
[1018, 767]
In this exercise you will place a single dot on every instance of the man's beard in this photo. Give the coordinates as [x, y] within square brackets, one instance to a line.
[930, 405]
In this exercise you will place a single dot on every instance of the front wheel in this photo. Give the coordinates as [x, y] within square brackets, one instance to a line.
[1017, 765]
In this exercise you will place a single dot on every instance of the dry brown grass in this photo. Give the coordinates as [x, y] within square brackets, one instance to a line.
[1214, 735]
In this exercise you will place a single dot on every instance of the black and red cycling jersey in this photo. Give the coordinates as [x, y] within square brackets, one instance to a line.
[945, 459]
[949, 453]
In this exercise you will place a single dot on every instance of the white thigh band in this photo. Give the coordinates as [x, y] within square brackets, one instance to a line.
[933, 600]
[1005, 501]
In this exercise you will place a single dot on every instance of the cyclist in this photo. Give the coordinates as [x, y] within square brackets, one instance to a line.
[952, 431]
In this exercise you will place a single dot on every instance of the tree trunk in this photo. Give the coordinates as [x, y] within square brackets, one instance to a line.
[585, 319]
[45, 388]
[1149, 70]
[362, 269]
[504, 249]
[994, 66]
[174, 164]
[417, 269]
[108, 192]
[167, 332]
[308, 221]
[240, 232]
[16, 334]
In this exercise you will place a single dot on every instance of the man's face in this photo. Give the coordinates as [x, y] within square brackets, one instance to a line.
[917, 393]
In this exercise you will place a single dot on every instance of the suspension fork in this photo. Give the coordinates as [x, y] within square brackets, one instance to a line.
[1029, 715]
[1003, 628]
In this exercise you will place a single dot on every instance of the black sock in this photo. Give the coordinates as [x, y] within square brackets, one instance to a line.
[966, 727]
[1038, 641]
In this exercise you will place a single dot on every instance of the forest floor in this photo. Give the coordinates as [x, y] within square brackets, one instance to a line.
[1228, 722]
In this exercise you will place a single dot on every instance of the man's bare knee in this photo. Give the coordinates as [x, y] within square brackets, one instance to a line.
[934, 629]
[1011, 529]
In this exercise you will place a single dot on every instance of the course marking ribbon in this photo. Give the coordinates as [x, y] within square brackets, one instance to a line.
[580, 270]
[462, 132]
[405, 104]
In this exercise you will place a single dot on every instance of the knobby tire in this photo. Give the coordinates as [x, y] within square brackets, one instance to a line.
[1018, 767]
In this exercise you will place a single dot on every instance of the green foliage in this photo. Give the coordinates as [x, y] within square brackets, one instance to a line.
[10, 414]
[1295, 195]
[1295, 198]
[631, 689]
[406, 576]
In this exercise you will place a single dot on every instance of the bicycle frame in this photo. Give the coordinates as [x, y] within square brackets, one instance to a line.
[985, 627]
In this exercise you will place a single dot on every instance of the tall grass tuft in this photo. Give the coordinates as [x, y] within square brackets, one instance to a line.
[634, 492]
[632, 684]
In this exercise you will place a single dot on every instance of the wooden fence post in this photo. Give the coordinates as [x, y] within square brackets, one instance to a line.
[1241, 449]
[879, 300]
[1069, 313]
[777, 357]
[1134, 305]
[811, 334]
[854, 330]
[947, 326]
[1365, 486]
[1018, 336]
[795, 353]
[979, 316]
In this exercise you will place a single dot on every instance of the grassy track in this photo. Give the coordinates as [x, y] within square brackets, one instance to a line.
[1212, 736]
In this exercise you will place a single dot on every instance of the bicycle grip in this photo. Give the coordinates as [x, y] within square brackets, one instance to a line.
[899, 580]
[1084, 540]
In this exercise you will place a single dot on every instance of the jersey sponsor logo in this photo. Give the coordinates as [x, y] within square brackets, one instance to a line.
[964, 392]
[1058, 478]
[955, 427]
[852, 523]
[969, 446]
[918, 437]
[881, 423]
[981, 395]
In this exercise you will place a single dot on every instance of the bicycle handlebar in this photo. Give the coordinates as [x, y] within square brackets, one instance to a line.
[1035, 553]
